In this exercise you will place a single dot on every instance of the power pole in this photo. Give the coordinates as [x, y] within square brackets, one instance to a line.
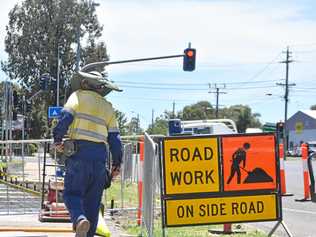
[137, 125]
[286, 97]
[152, 118]
[173, 109]
[217, 92]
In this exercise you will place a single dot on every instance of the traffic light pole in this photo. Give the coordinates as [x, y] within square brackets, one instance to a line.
[93, 65]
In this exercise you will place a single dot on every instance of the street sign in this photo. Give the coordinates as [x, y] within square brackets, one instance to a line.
[214, 210]
[191, 165]
[54, 111]
[249, 162]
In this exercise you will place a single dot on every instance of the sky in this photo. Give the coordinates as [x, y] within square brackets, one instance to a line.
[239, 44]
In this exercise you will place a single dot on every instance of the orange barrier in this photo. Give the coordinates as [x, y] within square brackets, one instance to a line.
[140, 181]
[282, 171]
[304, 149]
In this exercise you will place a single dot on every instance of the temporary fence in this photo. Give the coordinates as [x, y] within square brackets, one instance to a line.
[22, 171]
[151, 174]
[21, 177]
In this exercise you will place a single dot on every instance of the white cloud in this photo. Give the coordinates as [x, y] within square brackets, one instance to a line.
[221, 31]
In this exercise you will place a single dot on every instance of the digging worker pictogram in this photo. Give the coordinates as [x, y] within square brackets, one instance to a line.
[238, 157]
[91, 124]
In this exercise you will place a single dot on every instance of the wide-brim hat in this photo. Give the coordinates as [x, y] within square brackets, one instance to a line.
[93, 78]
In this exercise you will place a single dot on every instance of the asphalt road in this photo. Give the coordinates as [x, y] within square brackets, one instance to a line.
[300, 217]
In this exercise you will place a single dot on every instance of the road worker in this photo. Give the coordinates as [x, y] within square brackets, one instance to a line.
[91, 124]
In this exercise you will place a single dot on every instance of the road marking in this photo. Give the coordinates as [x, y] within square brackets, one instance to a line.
[299, 211]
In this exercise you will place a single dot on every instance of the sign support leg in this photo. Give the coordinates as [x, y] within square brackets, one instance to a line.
[284, 226]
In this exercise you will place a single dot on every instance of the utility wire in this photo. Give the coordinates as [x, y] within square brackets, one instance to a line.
[196, 89]
[190, 84]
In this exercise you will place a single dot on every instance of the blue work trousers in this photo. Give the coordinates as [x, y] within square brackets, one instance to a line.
[84, 182]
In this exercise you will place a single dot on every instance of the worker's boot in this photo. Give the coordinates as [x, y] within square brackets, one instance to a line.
[82, 228]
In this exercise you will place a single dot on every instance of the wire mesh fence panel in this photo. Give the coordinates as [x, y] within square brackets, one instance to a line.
[22, 168]
[149, 184]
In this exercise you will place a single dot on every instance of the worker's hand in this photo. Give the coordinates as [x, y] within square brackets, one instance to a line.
[115, 171]
[59, 147]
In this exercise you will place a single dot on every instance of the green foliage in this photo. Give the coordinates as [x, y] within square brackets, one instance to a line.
[313, 107]
[133, 127]
[114, 192]
[31, 148]
[122, 122]
[200, 110]
[160, 126]
[36, 31]
[240, 114]
[243, 117]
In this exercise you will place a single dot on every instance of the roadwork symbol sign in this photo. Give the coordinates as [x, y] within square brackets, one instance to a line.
[191, 165]
[249, 163]
[54, 112]
[221, 210]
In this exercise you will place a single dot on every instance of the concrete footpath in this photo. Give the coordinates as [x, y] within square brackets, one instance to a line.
[30, 226]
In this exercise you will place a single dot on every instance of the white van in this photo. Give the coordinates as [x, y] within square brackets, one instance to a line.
[196, 127]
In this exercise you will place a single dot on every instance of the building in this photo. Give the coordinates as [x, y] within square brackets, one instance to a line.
[301, 127]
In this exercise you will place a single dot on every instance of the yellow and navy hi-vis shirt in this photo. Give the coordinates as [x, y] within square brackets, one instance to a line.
[94, 116]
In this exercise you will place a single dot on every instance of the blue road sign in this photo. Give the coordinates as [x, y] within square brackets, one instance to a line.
[54, 112]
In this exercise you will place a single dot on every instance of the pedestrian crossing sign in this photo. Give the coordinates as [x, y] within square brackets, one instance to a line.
[54, 111]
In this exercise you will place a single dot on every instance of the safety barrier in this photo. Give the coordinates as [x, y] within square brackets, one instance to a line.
[304, 149]
[140, 180]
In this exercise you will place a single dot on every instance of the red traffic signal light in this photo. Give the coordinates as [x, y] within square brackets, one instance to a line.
[189, 59]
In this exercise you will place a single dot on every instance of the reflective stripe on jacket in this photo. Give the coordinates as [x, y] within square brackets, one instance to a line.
[94, 117]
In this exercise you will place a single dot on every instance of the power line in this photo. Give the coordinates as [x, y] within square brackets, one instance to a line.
[195, 89]
[265, 68]
[190, 84]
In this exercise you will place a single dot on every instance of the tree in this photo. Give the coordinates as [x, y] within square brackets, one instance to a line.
[134, 127]
[40, 30]
[243, 117]
[121, 120]
[240, 114]
[200, 110]
[160, 126]
[313, 107]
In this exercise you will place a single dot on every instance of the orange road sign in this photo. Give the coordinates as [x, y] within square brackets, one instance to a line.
[249, 162]
[221, 210]
[191, 165]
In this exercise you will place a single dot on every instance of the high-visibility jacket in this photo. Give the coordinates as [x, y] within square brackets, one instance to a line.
[94, 116]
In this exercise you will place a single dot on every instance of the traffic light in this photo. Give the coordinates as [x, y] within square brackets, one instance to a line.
[189, 59]
[280, 129]
[28, 107]
[53, 84]
[44, 79]
[15, 99]
[14, 116]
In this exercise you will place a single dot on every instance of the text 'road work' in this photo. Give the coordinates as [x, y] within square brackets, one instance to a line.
[195, 154]
[192, 177]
